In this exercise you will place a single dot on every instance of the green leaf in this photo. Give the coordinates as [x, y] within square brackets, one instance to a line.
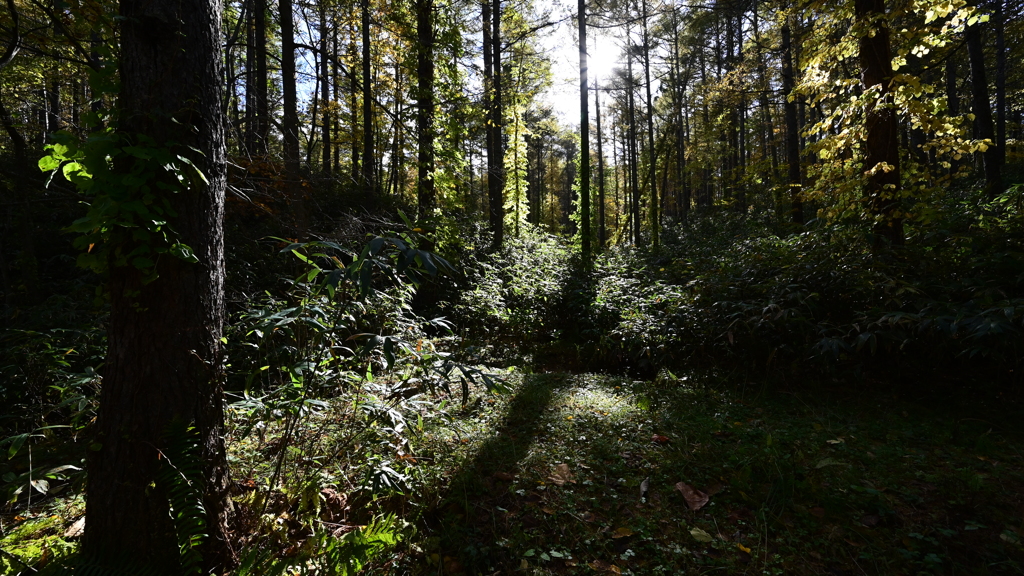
[48, 163]
[182, 251]
[16, 445]
[700, 535]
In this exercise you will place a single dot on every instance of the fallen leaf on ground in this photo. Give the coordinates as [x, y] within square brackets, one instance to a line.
[695, 499]
[504, 476]
[700, 535]
[606, 567]
[622, 532]
[562, 475]
[659, 439]
[547, 510]
[743, 548]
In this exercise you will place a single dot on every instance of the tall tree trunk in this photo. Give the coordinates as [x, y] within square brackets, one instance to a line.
[353, 55]
[164, 364]
[369, 158]
[652, 157]
[250, 78]
[792, 130]
[262, 100]
[488, 98]
[881, 154]
[290, 120]
[602, 232]
[1000, 24]
[496, 178]
[325, 94]
[584, 137]
[983, 123]
[425, 106]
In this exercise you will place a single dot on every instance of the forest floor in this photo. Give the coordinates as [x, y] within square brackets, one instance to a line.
[596, 474]
[584, 474]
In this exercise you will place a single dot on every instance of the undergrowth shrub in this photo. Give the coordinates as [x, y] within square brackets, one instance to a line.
[739, 294]
[513, 296]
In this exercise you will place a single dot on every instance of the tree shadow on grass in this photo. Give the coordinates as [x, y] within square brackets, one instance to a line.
[474, 511]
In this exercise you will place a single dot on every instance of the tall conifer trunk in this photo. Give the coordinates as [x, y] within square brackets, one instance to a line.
[584, 137]
[982, 108]
[654, 211]
[369, 158]
[164, 364]
[290, 120]
[792, 130]
[425, 106]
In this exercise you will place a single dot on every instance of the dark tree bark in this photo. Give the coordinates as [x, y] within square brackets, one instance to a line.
[983, 122]
[602, 231]
[325, 94]
[164, 363]
[653, 211]
[1000, 25]
[369, 158]
[792, 130]
[584, 137]
[290, 120]
[262, 126]
[488, 103]
[425, 107]
[881, 150]
[496, 177]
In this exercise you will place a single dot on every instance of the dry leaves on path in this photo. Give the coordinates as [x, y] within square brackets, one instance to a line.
[562, 475]
[695, 499]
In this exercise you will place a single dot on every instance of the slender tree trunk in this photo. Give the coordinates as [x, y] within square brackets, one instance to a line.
[164, 363]
[881, 154]
[353, 55]
[654, 211]
[584, 137]
[250, 79]
[262, 116]
[325, 93]
[1000, 24]
[602, 232]
[425, 106]
[369, 158]
[792, 131]
[496, 179]
[488, 97]
[290, 120]
[983, 110]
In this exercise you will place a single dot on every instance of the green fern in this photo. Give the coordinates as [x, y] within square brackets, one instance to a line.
[325, 555]
[181, 476]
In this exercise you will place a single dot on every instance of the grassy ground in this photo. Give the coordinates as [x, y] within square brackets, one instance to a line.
[584, 474]
[593, 474]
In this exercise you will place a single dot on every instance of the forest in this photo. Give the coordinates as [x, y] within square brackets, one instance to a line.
[338, 287]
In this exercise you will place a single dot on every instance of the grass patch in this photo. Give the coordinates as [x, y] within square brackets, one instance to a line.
[578, 474]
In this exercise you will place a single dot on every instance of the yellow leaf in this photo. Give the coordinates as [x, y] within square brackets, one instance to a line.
[700, 535]
[622, 532]
[743, 548]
